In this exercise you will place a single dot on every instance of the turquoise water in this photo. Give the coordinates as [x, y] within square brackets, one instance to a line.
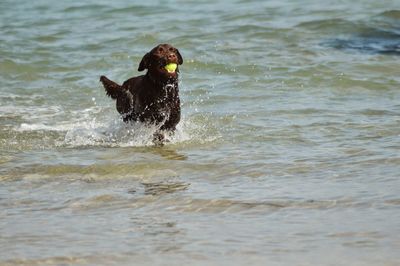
[287, 153]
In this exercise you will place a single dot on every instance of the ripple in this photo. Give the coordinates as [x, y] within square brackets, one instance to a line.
[249, 207]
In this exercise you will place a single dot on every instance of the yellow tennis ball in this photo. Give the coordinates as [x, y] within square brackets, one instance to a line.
[171, 67]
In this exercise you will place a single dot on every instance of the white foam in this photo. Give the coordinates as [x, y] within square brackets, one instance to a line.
[41, 127]
[112, 133]
[116, 133]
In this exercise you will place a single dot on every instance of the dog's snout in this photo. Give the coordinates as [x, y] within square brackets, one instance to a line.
[172, 57]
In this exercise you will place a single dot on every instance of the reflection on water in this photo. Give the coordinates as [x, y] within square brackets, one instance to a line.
[378, 42]
[162, 188]
[377, 35]
[168, 153]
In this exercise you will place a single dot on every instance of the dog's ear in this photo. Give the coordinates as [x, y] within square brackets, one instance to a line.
[145, 63]
[180, 59]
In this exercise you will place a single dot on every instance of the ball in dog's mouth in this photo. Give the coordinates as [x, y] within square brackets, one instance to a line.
[171, 67]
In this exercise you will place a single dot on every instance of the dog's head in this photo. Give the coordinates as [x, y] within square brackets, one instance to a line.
[158, 58]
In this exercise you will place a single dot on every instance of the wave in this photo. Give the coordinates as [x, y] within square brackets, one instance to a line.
[187, 204]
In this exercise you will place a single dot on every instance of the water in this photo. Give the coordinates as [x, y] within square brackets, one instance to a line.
[287, 153]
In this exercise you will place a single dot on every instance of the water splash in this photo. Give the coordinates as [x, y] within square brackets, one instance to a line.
[116, 133]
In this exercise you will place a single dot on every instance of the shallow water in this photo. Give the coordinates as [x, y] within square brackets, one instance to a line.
[287, 153]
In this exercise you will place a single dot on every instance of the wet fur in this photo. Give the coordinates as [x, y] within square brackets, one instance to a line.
[151, 98]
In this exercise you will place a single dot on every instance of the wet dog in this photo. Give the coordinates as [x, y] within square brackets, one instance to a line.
[154, 97]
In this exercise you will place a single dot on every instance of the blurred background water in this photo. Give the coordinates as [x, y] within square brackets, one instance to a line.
[287, 153]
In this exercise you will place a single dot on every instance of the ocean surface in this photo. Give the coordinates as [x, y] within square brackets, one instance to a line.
[288, 151]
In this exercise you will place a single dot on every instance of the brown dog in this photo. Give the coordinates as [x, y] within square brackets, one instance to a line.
[151, 98]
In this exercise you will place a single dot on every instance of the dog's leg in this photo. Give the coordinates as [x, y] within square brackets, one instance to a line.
[158, 138]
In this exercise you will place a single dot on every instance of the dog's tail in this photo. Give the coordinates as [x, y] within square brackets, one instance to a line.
[112, 89]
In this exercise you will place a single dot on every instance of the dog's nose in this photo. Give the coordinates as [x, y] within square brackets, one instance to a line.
[172, 57]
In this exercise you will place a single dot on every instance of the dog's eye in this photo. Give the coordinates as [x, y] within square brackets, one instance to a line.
[171, 49]
[160, 49]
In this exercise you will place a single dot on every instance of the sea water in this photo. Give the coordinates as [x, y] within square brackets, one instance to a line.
[288, 151]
